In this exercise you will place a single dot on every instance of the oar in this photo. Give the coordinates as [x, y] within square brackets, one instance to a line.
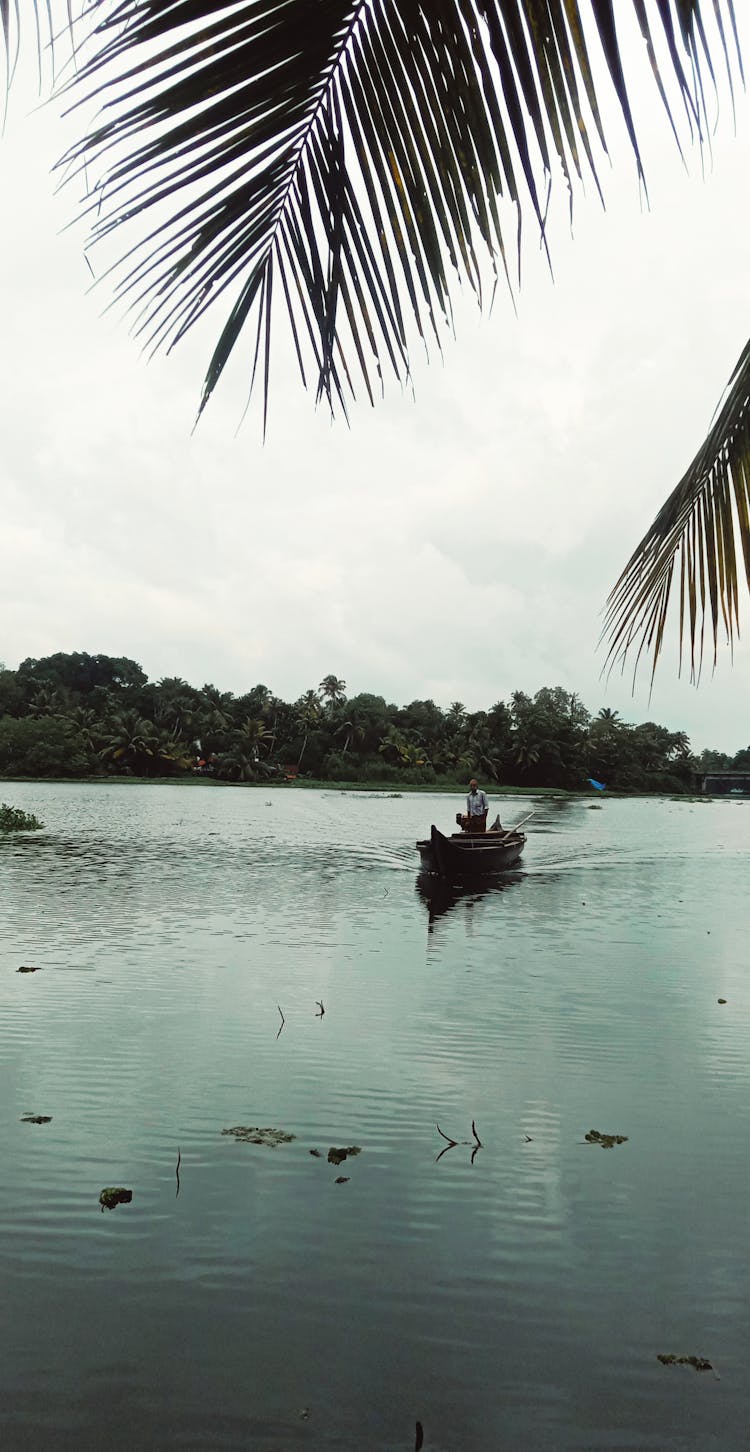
[510, 830]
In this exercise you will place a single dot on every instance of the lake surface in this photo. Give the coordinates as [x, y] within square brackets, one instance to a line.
[509, 1299]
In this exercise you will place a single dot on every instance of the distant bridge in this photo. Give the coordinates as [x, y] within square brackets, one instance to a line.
[724, 783]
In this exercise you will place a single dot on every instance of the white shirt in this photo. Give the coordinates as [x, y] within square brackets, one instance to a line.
[477, 803]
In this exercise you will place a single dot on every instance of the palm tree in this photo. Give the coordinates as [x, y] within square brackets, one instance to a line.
[333, 691]
[352, 730]
[129, 739]
[49, 700]
[251, 735]
[85, 722]
[527, 754]
[394, 745]
[350, 163]
[308, 714]
[236, 764]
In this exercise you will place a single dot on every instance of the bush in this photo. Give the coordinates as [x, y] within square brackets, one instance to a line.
[12, 819]
[418, 775]
[340, 767]
[42, 747]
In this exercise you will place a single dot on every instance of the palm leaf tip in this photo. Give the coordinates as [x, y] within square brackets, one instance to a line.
[701, 525]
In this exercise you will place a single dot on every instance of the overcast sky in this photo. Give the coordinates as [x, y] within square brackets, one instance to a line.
[458, 543]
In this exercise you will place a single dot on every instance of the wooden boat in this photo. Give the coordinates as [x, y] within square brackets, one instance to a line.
[467, 854]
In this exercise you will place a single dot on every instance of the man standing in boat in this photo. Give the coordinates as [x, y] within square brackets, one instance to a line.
[477, 807]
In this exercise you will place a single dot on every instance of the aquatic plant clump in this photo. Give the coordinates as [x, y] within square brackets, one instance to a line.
[699, 1363]
[251, 1134]
[337, 1156]
[606, 1141]
[12, 819]
[114, 1195]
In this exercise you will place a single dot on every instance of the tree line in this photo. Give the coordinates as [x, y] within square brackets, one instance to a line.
[81, 715]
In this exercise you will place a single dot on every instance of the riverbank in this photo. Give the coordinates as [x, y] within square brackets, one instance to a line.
[372, 789]
[386, 788]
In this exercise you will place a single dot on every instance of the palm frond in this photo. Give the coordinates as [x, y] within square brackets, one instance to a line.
[349, 163]
[699, 526]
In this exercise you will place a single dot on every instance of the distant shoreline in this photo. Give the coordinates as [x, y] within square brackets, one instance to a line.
[379, 789]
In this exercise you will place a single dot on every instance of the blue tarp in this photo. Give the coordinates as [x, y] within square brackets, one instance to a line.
[600, 787]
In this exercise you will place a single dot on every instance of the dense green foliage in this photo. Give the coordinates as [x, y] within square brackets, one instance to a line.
[79, 715]
[12, 819]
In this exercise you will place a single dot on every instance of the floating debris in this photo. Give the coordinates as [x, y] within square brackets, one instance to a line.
[320, 1006]
[28, 970]
[315, 1152]
[606, 1141]
[721, 1000]
[419, 1437]
[304, 1412]
[452, 1143]
[114, 1195]
[337, 1156]
[251, 1134]
[36, 1119]
[699, 1362]
[342, 1179]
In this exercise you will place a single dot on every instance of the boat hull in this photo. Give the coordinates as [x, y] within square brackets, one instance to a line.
[467, 855]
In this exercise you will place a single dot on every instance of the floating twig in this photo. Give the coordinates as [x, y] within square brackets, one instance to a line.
[320, 1006]
[451, 1143]
[177, 1172]
[419, 1438]
[283, 1020]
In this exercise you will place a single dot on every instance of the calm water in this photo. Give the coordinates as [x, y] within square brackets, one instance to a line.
[511, 1299]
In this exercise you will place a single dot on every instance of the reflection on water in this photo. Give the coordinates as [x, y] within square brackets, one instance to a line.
[440, 895]
[498, 1281]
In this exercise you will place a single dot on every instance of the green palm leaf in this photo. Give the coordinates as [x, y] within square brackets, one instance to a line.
[698, 527]
[344, 162]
